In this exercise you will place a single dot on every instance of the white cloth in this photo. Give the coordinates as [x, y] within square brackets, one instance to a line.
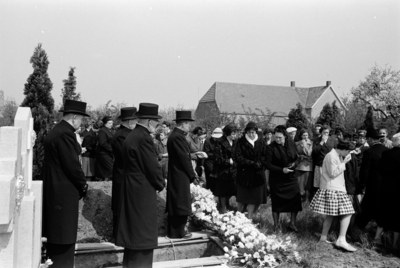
[250, 140]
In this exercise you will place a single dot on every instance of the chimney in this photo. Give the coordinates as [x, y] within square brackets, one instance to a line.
[328, 83]
[292, 83]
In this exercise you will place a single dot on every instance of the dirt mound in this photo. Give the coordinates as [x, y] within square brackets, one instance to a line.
[95, 223]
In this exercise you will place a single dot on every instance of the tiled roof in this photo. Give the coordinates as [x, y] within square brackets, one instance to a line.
[238, 98]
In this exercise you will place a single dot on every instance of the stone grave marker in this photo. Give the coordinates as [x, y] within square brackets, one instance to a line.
[20, 197]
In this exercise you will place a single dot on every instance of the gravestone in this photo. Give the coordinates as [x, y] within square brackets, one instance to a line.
[20, 197]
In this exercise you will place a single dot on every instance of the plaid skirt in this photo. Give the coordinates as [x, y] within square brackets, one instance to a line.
[332, 203]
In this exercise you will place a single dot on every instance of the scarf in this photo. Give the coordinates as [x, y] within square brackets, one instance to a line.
[250, 140]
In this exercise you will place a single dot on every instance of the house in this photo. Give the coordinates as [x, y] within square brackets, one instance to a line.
[239, 99]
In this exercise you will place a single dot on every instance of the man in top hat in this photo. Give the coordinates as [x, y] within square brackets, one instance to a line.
[370, 178]
[209, 146]
[63, 185]
[180, 175]
[137, 229]
[128, 122]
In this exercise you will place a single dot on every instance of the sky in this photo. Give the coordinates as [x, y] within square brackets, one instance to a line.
[172, 52]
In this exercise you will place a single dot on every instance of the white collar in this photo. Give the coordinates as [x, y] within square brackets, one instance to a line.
[251, 141]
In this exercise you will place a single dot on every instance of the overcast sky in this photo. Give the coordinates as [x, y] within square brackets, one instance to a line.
[171, 52]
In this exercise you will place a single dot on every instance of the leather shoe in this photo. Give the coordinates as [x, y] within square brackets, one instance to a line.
[345, 246]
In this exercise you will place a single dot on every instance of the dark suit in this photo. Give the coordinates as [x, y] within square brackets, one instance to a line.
[137, 229]
[118, 170]
[180, 175]
[63, 181]
[370, 180]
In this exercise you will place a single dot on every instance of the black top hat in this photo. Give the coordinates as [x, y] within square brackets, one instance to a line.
[372, 133]
[183, 116]
[148, 111]
[128, 113]
[74, 107]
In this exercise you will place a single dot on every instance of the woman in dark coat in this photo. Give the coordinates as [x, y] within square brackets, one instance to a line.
[250, 161]
[285, 191]
[104, 152]
[88, 158]
[162, 153]
[209, 148]
[389, 168]
[225, 167]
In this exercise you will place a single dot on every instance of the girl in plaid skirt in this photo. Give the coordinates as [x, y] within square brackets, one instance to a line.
[332, 199]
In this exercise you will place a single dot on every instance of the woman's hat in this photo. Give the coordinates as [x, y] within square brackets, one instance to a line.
[251, 125]
[148, 111]
[106, 119]
[128, 113]
[217, 133]
[74, 107]
[291, 129]
[183, 116]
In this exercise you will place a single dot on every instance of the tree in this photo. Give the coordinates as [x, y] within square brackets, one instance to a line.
[297, 118]
[369, 119]
[326, 115]
[8, 113]
[38, 97]
[354, 115]
[69, 90]
[381, 91]
[337, 120]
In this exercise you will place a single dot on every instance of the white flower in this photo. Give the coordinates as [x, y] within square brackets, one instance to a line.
[256, 255]
[241, 245]
[226, 249]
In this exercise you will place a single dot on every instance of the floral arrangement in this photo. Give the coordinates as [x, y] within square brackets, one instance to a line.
[245, 243]
[20, 191]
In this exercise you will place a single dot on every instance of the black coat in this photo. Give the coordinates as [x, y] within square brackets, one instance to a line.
[137, 217]
[351, 176]
[223, 151]
[250, 162]
[370, 178]
[118, 168]
[389, 169]
[180, 175]
[89, 142]
[63, 179]
[104, 139]
[209, 146]
[277, 158]
[319, 151]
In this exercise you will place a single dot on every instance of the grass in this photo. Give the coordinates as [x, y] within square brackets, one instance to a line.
[316, 254]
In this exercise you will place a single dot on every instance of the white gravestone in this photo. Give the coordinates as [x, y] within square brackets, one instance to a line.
[20, 198]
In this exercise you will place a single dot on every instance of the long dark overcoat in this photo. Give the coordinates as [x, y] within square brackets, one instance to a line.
[249, 173]
[389, 168]
[104, 153]
[285, 191]
[137, 217]
[180, 175]
[63, 179]
[118, 168]
[370, 178]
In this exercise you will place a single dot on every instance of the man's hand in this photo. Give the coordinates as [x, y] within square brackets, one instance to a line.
[286, 170]
[83, 191]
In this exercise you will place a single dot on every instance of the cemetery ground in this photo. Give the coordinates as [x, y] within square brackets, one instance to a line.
[325, 255]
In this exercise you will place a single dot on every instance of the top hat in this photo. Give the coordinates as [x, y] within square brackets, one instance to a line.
[183, 116]
[74, 107]
[372, 133]
[148, 111]
[128, 113]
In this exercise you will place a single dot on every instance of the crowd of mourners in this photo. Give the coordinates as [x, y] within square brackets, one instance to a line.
[351, 179]
[340, 175]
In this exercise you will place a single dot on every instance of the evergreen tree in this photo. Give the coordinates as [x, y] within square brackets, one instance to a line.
[326, 116]
[38, 97]
[337, 121]
[369, 119]
[297, 118]
[69, 90]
